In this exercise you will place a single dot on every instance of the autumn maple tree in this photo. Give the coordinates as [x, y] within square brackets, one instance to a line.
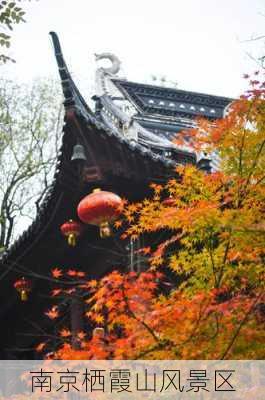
[202, 294]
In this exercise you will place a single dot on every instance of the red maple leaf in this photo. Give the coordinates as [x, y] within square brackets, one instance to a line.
[72, 272]
[56, 273]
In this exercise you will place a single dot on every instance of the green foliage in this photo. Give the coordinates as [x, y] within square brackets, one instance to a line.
[30, 130]
[11, 14]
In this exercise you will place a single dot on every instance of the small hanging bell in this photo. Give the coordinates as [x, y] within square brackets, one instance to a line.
[78, 153]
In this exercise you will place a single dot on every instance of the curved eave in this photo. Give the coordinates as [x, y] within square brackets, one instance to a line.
[73, 98]
[121, 156]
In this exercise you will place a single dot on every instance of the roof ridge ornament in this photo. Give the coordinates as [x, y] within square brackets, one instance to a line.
[104, 75]
[116, 117]
[115, 63]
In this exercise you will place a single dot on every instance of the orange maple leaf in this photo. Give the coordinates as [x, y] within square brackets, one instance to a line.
[233, 255]
[64, 333]
[93, 283]
[56, 273]
[157, 188]
[52, 313]
[109, 303]
[118, 224]
[40, 347]
[80, 274]
[99, 319]
[88, 314]
[81, 335]
[144, 250]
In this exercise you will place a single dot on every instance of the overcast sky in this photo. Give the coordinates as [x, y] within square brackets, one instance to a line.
[200, 44]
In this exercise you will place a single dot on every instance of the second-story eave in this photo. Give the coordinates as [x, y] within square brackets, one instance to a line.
[172, 103]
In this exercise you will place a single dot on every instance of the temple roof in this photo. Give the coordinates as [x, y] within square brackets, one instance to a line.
[114, 122]
[126, 147]
[145, 118]
[117, 154]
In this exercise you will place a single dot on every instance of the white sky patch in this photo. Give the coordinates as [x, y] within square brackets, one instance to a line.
[200, 44]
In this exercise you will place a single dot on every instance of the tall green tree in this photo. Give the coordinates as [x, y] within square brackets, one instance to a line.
[30, 128]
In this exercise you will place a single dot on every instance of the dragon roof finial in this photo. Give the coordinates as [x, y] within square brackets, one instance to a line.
[115, 63]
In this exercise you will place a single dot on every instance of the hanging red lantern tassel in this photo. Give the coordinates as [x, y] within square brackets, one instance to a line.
[23, 286]
[100, 208]
[72, 230]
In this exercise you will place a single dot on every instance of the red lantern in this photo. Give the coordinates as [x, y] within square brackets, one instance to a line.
[71, 229]
[23, 286]
[100, 208]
